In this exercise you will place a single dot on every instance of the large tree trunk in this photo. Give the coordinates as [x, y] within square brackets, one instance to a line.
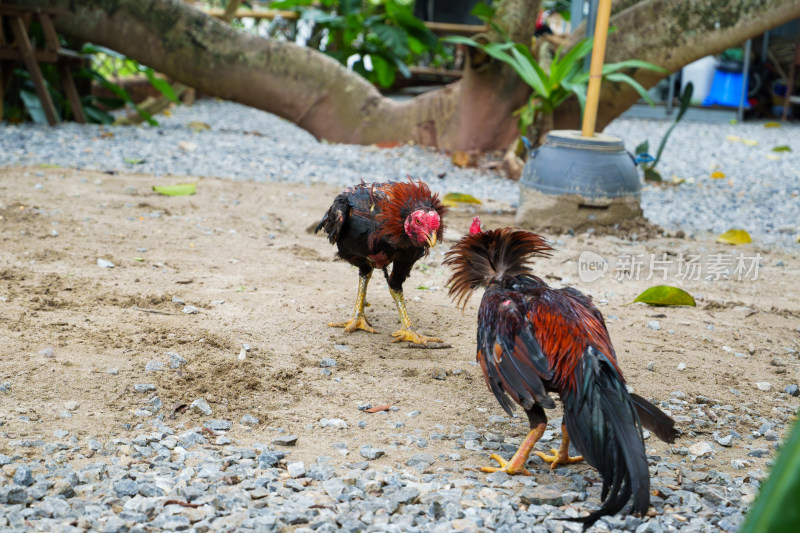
[319, 95]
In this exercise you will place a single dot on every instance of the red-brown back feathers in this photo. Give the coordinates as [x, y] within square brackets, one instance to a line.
[479, 258]
[402, 199]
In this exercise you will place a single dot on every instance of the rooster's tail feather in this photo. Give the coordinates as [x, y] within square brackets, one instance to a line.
[603, 424]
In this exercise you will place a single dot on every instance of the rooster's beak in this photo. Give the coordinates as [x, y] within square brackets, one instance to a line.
[431, 238]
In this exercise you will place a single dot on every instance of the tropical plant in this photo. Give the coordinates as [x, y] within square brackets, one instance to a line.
[25, 101]
[776, 510]
[376, 38]
[649, 162]
[564, 78]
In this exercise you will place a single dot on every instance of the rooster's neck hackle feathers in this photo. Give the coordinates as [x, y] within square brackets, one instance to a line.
[479, 259]
[400, 200]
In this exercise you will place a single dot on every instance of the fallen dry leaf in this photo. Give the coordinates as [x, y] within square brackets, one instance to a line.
[717, 175]
[378, 408]
[462, 159]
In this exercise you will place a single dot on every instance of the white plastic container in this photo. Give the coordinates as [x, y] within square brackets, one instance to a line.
[701, 74]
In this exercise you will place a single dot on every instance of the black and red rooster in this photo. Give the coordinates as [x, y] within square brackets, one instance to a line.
[377, 224]
[533, 340]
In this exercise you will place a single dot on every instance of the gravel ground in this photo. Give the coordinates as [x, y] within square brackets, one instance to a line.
[759, 192]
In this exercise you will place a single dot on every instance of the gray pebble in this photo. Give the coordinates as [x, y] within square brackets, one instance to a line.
[154, 366]
[370, 453]
[792, 390]
[249, 420]
[23, 476]
[218, 425]
[126, 487]
[201, 406]
[144, 387]
[190, 310]
[654, 325]
[288, 440]
[296, 469]
[327, 362]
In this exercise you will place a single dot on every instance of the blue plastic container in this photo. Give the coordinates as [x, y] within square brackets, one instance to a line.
[726, 90]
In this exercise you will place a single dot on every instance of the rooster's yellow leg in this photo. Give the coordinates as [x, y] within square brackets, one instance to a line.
[560, 456]
[516, 465]
[407, 333]
[359, 320]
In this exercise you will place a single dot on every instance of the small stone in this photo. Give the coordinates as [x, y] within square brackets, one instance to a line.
[112, 371]
[222, 440]
[337, 423]
[543, 495]
[154, 366]
[126, 487]
[370, 453]
[651, 366]
[738, 464]
[288, 440]
[72, 405]
[190, 310]
[201, 406]
[249, 420]
[48, 352]
[178, 300]
[413, 414]
[144, 387]
[681, 366]
[176, 360]
[764, 386]
[420, 461]
[439, 374]
[792, 390]
[701, 449]
[654, 325]
[341, 347]
[296, 470]
[218, 425]
[724, 441]
[23, 476]
[60, 433]
[269, 459]
[327, 362]
[104, 263]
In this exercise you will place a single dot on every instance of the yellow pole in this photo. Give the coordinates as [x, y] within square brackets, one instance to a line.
[596, 68]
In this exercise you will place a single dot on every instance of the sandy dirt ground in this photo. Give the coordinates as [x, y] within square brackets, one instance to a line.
[241, 253]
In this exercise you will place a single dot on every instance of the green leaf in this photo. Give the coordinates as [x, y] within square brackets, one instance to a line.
[573, 58]
[384, 70]
[33, 106]
[134, 161]
[776, 509]
[651, 174]
[184, 189]
[642, 148]
[735, 237]
[665, 295]
[686, 100]
[97, 115]
[162, 85]
[782, 148]
[460, 198]
[460, 39]
[624, 78]
[482, 11]
[415, 45]
[393, 38]
[632, 63]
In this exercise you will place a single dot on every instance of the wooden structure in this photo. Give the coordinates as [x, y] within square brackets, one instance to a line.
[788, 100]
[17, 47]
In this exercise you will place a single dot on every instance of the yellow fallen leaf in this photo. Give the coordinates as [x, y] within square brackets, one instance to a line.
[167, 113]
[717, 175]
[735, 236]
[184, 189]
[733, 138]
[772, 125]
[461, 159]
[457, 197]
[749, 142]
[196, 125]
[773, 157]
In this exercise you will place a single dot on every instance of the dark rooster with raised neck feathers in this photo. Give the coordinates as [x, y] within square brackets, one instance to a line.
[377, 224]
[533, 340]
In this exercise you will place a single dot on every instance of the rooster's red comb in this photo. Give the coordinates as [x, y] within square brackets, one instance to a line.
[476, 225]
